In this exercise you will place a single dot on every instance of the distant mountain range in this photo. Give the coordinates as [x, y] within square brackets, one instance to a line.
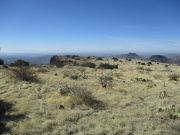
[45, 59]
[31, 59]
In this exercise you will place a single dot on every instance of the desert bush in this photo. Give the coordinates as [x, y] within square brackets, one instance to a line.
[166, 66]
[128, 59]
[174, 77]
[20, 63]
[1, 62]
[107, 66]
[138, 62]
[153, 60]
[83, 94]
[115, 59]
[99, 58]
[89, 64]
[142, 63]
[106, 81]
[24, 74]
[149, 63]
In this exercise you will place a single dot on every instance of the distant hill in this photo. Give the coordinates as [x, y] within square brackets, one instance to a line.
[159, 58]
[130, 56]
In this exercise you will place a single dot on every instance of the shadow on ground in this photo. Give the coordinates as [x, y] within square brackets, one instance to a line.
[5, 116]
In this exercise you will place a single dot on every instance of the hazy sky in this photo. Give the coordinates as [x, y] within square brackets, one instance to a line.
[42, 26]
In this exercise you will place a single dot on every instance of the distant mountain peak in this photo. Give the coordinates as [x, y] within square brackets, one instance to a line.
[130, 56]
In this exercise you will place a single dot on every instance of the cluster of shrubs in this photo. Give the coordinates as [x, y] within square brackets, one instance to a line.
[23, 74]
[20, 63]
[99, 58]
[143, 63]
[143, 69]
[107, 66]
[89, 64]
[22, 71]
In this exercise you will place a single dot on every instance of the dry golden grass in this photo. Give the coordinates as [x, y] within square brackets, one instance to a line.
[140, 102]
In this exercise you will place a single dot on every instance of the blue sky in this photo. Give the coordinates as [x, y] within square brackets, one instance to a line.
[44, 26]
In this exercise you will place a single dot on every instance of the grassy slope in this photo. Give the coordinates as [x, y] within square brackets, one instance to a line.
[132, 106]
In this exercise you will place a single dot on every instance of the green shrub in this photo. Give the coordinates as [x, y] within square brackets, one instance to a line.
[107, 66]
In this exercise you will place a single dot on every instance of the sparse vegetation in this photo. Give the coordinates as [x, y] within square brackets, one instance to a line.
[78, 100]
[75, 75]
[140, 68]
